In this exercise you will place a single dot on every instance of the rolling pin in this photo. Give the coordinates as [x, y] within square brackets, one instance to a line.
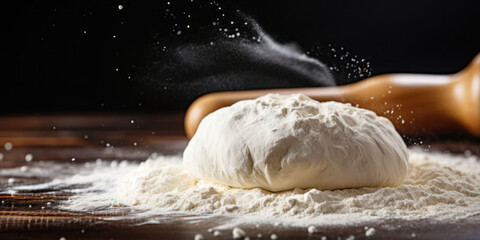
[417, 104]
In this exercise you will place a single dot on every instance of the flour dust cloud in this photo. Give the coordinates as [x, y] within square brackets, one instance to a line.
[210, 47]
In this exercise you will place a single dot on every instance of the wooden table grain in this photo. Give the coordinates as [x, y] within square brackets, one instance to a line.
[134, 137]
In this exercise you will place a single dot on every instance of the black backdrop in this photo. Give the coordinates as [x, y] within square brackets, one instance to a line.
[89, 55]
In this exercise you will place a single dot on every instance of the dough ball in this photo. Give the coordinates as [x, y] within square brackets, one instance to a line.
[280, 142]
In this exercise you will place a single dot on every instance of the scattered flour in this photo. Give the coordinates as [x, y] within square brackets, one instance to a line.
[238, 233]
[8, 146]
[312, 229]
[198, 236]
[438, 186]
[370, 232]
[28, 157]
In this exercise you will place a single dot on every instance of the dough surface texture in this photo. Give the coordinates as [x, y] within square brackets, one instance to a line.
[281, 142]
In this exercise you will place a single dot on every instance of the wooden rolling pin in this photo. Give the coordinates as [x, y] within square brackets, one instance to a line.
[417, 104]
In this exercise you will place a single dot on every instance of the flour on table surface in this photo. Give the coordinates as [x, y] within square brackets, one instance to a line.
[439, 186]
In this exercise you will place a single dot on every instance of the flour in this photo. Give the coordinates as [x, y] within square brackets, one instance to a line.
[370, 232]
[282, 142]
[438, 186]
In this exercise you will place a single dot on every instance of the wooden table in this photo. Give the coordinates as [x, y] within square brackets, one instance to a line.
[59, 138]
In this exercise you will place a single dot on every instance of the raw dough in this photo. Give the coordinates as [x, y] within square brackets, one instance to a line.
[281, 142]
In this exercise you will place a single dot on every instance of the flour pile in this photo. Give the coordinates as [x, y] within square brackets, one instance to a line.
[439, 186]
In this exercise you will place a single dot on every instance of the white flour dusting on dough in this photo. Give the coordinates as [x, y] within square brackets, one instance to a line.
[281, 142]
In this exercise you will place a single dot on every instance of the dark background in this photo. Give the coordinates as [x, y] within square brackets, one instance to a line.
[63, 56]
